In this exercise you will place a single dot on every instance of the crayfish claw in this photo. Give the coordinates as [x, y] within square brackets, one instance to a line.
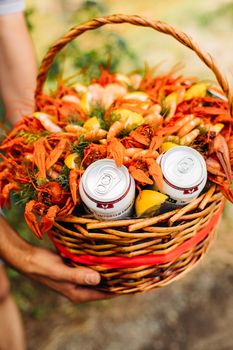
[220, 147]
[47, 221]
[31, 220]
[140, 176]
[116, 150]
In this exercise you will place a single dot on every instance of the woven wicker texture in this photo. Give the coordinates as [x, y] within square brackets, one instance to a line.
[160, 235]
[140, 237]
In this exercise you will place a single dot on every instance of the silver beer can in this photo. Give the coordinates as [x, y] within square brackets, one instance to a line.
[107, 191]
[184, 174]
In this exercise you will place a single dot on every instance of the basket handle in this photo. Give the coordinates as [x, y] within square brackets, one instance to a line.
[162, 27]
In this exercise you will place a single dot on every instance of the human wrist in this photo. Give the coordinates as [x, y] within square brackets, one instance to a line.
[34, 266]
[14, 250]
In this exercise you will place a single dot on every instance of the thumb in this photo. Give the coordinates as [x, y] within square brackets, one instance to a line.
[51, 265]
[78, 275]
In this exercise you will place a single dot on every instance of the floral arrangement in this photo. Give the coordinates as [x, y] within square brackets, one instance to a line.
[131, 119]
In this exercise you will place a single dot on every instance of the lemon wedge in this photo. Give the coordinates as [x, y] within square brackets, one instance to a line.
[72, 161]
[148, 201]
[167, 145]
[197, 90]
[217, 127]
[86, 101]
[130, 119]
[133, 121]
[170, 98]
[92, 124]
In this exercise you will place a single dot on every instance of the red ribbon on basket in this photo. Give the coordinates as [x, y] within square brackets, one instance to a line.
[116, 262]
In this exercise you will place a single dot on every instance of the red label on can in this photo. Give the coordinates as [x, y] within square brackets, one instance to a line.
[105, 205]
[190, 190]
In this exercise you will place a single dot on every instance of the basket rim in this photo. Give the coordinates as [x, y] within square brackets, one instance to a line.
[115, 262]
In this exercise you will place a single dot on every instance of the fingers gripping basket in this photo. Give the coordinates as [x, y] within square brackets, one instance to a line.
[139, 254]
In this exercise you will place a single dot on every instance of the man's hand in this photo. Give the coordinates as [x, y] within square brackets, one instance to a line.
[48, 268]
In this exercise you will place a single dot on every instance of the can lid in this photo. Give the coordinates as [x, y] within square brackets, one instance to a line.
[104, 181]
[183, 167]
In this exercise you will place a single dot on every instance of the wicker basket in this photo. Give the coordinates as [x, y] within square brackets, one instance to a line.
[139, 254]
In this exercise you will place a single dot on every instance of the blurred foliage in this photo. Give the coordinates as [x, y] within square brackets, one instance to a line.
[90, 9]
[107, 49]
[28, 13]
[224, 11]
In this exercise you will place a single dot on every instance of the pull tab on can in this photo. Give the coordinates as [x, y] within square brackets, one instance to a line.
[185, 165]
[107, 191]
[107, 180]
[184, 174]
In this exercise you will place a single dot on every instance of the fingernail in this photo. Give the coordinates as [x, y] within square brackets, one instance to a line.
[92, 279]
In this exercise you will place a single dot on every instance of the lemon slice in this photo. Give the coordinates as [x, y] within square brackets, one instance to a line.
[148, 201]
[92, 124]
[130, 119]
[121, 114]
[85, 102]
[217, 127]
[170, 98]
[72, 161]
[137, 95]
[133, 121]
[167, 145]
[197, 90]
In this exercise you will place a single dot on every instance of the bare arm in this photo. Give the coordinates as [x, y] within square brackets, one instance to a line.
[47, 267]
[17, 82]
[17, 68]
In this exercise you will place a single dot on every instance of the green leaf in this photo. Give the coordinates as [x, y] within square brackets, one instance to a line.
[24, 195]
[99, 111]
[63, 178]
[79, 148]
[31, 137]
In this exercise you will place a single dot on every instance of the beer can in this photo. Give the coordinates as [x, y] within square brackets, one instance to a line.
[107, 191]
[184, 174]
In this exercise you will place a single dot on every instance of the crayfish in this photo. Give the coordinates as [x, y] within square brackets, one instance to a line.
[52, 201]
